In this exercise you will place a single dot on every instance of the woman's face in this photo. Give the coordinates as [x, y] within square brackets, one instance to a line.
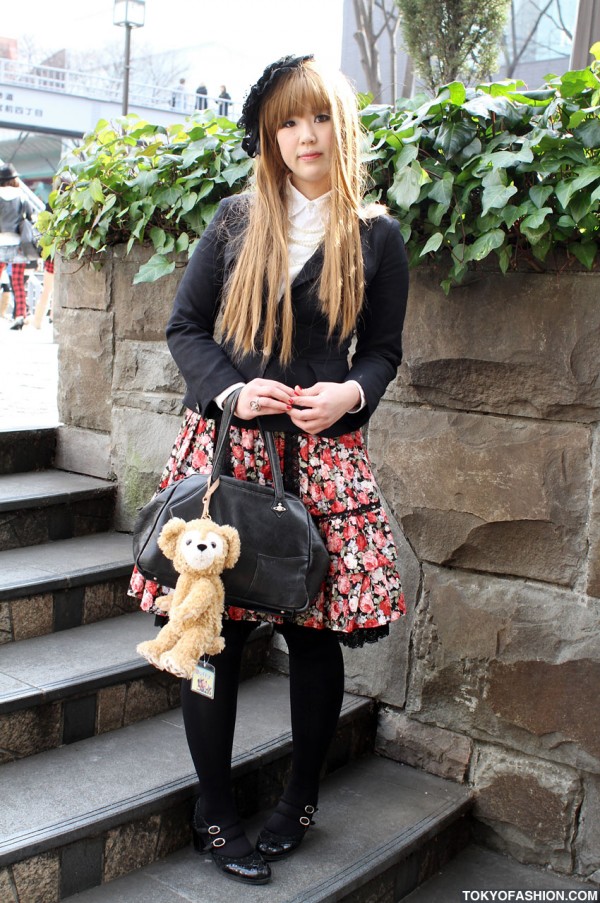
[305, 143]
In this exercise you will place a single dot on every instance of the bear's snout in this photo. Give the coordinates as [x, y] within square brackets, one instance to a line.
[202, 547]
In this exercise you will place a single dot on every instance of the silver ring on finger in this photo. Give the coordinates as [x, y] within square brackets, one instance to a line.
[255, 404]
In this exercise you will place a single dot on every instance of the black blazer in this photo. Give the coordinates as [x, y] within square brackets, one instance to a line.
[207, 364]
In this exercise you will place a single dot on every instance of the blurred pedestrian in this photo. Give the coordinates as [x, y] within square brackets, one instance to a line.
[224, 98]
[178, 96]
[14, 208]
[201, 97]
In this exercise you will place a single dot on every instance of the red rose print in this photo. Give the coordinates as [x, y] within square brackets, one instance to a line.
[344, 585]
[370, 560]
[335, 543]
[350, 531]
[329, 490]
[361, 542]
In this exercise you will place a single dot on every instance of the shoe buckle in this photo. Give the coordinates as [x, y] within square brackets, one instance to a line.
[305, 821]
[310, 810]
[218, 841]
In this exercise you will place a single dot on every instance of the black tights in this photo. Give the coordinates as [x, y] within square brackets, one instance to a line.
[316, 691]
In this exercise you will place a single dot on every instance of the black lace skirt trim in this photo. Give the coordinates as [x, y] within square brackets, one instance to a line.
[358, 638]
[355, 640]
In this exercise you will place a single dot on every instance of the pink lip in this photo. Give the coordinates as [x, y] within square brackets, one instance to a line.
[309, 156]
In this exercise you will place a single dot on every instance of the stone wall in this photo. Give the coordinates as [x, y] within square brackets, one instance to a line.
[119, 393]
[486, 449]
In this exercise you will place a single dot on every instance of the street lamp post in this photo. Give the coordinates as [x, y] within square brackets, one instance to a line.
[128, 14]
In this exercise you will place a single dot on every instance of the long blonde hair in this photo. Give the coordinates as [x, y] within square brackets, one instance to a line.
[255, 316]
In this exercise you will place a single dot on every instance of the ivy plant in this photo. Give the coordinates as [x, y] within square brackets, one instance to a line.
[494, 172]
[131, 182]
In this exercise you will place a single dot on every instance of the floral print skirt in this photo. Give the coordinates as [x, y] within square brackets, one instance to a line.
[362, 592]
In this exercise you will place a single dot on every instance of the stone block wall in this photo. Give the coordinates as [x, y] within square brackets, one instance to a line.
[486, 447]
[119, 394]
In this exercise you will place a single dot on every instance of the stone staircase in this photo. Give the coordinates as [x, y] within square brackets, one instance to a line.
[96, 783]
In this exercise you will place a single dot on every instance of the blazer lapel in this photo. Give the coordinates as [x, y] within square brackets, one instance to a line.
[311, 269]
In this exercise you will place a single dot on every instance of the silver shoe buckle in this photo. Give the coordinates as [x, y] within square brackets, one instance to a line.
[305, 821]
[219, 842]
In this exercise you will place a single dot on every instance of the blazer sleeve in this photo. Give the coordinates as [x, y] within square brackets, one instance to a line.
[378, 350]
[203, 363]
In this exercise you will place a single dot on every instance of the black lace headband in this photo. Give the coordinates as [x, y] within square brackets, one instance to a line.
[249, 118]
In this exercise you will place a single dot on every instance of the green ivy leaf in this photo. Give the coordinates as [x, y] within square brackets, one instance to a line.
[484, 245]
[539, 194]
[153, 269]
[96, 192]
[432, 244]
[566, 189]
[406, 187]
[442, 189]
[237, 171]
[579, 207]
[535, 220]
[496, 194]
[182, 243]
[453, 137]
[586, 253]
[408, 153]
[589, 133]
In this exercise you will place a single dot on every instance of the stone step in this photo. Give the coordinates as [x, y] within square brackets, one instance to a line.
[479, 870]
[381, 829]
[91, 811]
[26, 449]
[58, 585]
[48, 505]
[65, 687]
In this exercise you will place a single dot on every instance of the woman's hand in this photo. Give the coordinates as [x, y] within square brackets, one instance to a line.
[263, 396]
[318, 407]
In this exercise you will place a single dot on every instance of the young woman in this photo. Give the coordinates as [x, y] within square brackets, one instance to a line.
[297, 268]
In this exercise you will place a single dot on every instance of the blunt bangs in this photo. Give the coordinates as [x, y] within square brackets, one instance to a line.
[303, 90]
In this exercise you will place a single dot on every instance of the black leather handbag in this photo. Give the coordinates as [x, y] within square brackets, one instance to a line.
[283, 559]
[28, 244]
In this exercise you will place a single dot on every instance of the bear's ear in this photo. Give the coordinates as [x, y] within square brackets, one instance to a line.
[170, 533]
[233, 545]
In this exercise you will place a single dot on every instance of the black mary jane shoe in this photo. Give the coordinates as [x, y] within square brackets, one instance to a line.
[274, 846]
[251, 869]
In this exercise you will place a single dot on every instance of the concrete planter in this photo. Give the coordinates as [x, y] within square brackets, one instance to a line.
[486, 450]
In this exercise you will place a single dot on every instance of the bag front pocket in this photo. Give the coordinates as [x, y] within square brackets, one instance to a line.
[277, 580]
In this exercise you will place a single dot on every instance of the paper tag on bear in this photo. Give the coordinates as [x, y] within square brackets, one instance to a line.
[203, 680]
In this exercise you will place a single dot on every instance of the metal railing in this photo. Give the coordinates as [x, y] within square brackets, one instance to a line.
[101, 87]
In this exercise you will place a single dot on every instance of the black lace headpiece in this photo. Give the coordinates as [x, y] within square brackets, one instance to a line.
[249, 118]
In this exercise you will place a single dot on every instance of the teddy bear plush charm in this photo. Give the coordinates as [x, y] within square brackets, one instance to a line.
[200, 550]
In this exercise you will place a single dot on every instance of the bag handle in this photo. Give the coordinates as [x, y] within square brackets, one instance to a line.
[278, 506]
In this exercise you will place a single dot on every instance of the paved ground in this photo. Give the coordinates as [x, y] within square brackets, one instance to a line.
[28, 376]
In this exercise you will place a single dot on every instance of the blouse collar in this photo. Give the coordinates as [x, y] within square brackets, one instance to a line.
[298, 204]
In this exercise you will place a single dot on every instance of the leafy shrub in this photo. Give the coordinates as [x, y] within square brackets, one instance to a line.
[495, 170]
[133, 182]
